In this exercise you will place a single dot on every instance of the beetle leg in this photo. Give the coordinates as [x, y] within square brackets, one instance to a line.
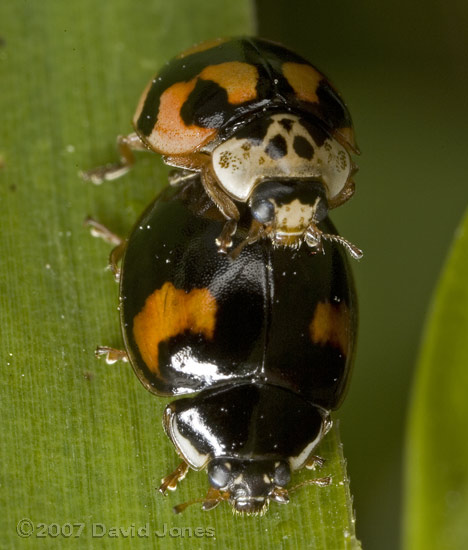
[125, 146]
[227, 208]
[327, 424]
[314, 462]
[101, 231]
[171, 480]
[224, 240]
[114, 258]
[180, 176]
[313, 237]
[256, 232]
[225, 205]
[280, 495]
[112, 355]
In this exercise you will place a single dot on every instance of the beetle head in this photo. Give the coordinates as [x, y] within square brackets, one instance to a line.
[287, 208]
[250, 484]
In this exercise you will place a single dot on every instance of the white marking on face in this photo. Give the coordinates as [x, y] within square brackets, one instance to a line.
[293, 217]
[240, 165]
[238, 479]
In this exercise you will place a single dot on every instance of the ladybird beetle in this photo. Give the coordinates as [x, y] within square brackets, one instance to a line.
[261, 125]
[265, 342]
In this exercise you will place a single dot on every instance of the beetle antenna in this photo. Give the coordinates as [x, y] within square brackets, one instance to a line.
[354, 251]
[314, 236]
[319, 481]
[212, 499]
[181, 507]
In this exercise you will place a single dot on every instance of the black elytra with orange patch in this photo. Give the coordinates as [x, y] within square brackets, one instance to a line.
[265, 342]
[211, 91]
[194, 318]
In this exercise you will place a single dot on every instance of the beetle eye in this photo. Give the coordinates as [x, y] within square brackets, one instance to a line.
[263, 210]
[282, 474]
[219, 474]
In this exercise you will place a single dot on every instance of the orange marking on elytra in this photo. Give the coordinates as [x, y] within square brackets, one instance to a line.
[237, 78]
[170, 135]
[304, 80]
[331, 325]
[168, 312]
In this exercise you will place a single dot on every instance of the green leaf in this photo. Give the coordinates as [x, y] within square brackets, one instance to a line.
[437, 455]
[82, 442]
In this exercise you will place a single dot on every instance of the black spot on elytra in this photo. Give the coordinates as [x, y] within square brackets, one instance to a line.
[286, 123]
[277, 147]
[256, 131]
[207, 105]
[303, 148]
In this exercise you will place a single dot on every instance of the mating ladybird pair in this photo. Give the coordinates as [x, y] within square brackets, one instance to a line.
[234, 284]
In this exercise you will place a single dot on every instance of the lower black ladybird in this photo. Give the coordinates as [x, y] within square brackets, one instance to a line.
[263, 344]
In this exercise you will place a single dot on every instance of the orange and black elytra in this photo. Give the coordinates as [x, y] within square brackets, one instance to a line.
[253, 119]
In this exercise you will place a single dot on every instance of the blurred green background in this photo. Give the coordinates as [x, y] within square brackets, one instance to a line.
[402, 68]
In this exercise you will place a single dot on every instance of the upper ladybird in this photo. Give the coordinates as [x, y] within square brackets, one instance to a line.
[213, 88]
[264, 128]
